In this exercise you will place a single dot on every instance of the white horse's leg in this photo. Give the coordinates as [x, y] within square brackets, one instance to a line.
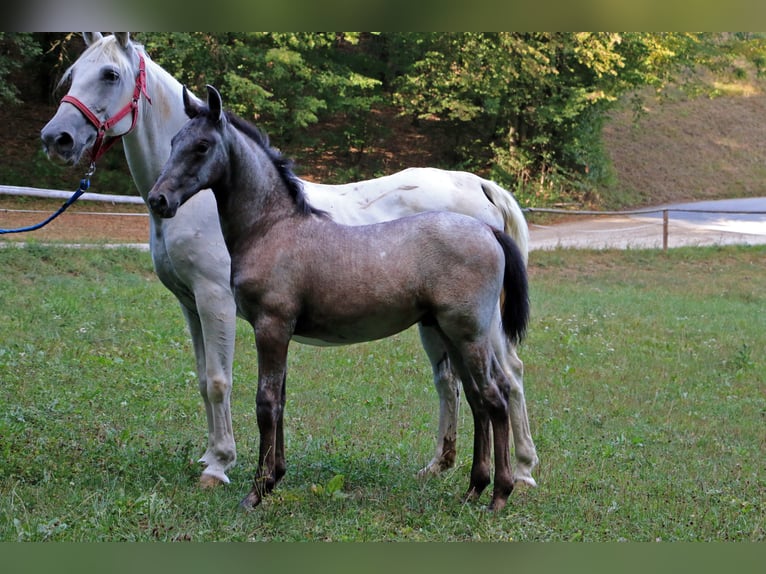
[213, 333]
[198, 344]
[512, 366]
[448, 388]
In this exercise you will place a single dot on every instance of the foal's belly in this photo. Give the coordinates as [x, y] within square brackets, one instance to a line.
[327, 332]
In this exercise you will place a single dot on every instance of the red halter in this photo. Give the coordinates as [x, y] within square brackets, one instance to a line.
[103, 143]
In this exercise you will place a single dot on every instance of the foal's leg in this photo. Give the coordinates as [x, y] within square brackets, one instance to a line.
[496, 395]
[213, 332]
[482, 452]
[271, 342]
[486, 389]
[448, 388]
[280, 466]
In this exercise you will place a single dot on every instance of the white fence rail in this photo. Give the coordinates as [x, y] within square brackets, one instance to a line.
[58, 194]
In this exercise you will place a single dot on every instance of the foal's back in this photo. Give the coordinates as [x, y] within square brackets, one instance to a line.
[345, 284]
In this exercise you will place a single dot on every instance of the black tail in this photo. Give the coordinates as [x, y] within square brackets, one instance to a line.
[515, 305]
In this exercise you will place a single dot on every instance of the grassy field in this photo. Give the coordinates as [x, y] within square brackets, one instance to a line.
[645, 381]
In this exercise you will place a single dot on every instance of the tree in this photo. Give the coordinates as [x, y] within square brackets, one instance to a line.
[537, 100]
[285, 81]
[16, 50]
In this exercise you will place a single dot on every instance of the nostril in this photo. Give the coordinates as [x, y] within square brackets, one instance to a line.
[64, 141]
[158, 202]
[58, 141]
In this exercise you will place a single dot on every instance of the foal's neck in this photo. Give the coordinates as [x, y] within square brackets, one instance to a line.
[253, 196]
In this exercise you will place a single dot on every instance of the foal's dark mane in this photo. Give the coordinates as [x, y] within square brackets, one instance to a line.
[281, 163]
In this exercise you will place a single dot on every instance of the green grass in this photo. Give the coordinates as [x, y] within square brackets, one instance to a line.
[644, 380]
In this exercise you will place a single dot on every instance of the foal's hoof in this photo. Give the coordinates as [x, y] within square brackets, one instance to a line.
[523, 474]
[497, 504]
[500, 498]
[472, 495]
[525, 481]
[252, 500]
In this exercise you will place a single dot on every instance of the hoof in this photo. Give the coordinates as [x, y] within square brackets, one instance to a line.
[208, 481]
[500, 496]
[432, 469]
[497, 503]
[523, 475]
[252, 500]
[211, 478]
[472, 495]
[524, 481]
[443, 460]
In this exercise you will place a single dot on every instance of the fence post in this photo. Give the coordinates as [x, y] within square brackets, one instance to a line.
[664, 229]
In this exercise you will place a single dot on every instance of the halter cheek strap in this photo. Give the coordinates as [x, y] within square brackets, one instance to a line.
[103, 142]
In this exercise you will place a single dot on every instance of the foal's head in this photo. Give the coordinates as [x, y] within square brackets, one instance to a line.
[198, 157]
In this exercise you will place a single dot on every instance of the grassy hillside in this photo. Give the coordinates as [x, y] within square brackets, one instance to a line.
[689, 149]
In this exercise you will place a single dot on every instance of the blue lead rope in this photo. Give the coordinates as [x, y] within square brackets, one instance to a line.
[84, 185]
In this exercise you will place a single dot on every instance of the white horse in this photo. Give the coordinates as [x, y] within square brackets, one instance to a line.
[117, 90]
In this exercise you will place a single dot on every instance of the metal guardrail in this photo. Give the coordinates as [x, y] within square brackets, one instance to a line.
[640, 211]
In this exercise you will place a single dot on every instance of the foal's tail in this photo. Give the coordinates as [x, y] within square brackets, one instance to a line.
[515, 304]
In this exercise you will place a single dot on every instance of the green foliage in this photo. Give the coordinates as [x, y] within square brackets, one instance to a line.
[284, 81]
[539, 99]
[16, 50]
[526, 108]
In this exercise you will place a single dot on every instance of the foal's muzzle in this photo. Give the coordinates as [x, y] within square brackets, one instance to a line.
[160, 205]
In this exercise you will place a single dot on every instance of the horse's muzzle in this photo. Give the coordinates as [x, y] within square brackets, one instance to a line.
[59, 146]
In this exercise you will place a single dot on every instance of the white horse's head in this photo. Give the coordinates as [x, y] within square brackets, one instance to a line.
[101, 103]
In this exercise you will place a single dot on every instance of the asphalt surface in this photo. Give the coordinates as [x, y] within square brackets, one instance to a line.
[735, 221]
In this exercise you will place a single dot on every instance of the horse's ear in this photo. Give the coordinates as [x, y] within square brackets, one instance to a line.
[123, 38]
[214, 103]
[91, 37]
[190, 107]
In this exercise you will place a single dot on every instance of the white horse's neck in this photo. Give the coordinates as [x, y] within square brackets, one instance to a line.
[147, 147]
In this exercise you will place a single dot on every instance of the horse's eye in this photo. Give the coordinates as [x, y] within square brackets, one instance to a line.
[110, 75]
[202, 147]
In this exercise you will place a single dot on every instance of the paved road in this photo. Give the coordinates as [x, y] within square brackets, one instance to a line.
[753, 221]
[645, 231]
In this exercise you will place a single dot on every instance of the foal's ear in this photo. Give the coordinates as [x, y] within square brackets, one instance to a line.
[91, 37]
[214, 103]
[191, 108]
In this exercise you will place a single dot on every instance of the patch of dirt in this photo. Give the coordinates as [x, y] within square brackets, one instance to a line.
[83, 222]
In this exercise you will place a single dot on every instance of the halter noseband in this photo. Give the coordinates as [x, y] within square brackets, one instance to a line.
[103, 143]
